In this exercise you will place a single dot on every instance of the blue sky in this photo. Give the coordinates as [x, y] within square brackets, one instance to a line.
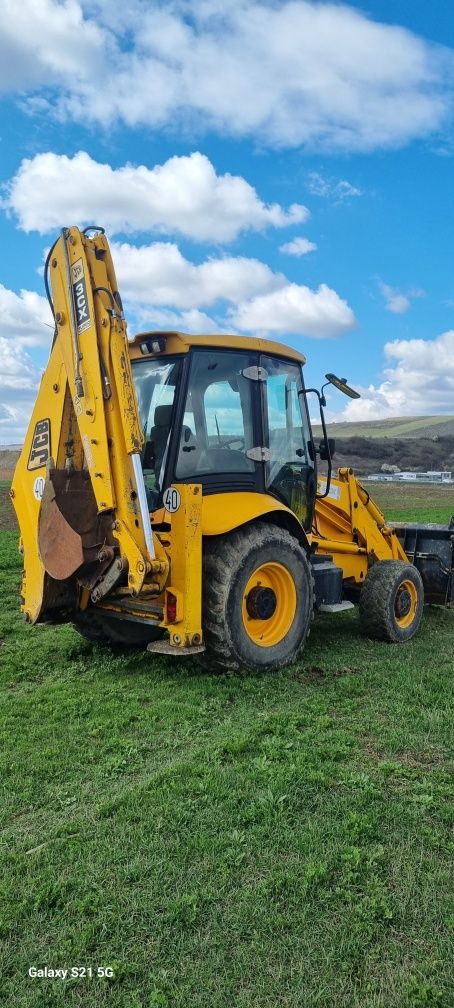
[280, 168]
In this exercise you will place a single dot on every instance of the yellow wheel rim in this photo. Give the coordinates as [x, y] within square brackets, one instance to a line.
[269, 604]
[406, 604]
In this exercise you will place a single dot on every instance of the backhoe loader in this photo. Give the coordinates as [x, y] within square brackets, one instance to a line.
[168, 492]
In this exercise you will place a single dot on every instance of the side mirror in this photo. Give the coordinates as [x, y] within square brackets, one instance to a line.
[341, 384]
[327, 449]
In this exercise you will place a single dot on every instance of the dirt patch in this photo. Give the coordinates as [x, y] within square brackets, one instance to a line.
[7, 515]
[8, 459]
[316, 674]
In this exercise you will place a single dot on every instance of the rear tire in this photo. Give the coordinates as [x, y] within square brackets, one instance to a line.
[258, 599]
[391, 601]
[98, 627]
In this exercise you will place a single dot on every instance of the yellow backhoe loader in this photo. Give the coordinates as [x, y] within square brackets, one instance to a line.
[167, 492]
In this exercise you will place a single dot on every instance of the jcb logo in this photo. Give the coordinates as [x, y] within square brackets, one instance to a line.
[40, 449]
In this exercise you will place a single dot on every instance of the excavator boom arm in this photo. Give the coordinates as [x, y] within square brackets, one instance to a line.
[78, 489]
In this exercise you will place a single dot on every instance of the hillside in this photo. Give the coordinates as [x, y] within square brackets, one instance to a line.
[393, 427]
[412, 443]
[367, 454]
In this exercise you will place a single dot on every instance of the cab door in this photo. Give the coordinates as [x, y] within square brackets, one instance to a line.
[290, 469]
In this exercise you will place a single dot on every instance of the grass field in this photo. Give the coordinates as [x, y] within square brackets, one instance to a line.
[417, 503]
[226, 841]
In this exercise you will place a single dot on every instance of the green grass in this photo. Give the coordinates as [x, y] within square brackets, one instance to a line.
[417, 503]
[225, 841]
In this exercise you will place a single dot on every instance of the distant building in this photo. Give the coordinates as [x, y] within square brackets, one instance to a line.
[432, 476]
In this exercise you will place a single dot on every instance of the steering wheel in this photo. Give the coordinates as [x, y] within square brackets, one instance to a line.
[233, 441]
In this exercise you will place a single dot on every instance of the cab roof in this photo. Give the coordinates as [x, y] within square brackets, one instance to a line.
[176, 342]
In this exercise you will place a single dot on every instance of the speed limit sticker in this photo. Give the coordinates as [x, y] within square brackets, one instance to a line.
[172, 499]
[38, 487]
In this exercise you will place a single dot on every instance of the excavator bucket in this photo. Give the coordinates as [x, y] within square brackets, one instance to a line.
[72, 536]
[60, 546]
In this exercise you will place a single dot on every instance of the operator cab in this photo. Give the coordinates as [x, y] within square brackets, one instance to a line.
[230, 420]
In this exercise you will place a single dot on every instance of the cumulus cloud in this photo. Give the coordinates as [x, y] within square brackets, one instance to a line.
[257, 298]
[25, 323]
[184, 195]
[420, 382]
[43, 42]
[298, 247]
[191, 321]
[159, 274]
[19, 379]
[294, 73]
[25, 318]
[298, 310]
[395, 301]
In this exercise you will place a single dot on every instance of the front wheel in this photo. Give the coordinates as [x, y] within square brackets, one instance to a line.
[391, 601]
[257, 599]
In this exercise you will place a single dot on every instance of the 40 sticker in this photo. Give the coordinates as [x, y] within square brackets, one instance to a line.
[38, 487]
[172, 500]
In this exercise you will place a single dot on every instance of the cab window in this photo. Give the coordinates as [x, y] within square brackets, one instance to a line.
[218, 425]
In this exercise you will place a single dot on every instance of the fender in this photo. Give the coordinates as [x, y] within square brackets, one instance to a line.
[224, 512]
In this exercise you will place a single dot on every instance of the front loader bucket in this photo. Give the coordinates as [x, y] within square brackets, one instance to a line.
[431, 549]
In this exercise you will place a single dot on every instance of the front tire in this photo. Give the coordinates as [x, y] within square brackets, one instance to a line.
[391, 601]
[257, 599]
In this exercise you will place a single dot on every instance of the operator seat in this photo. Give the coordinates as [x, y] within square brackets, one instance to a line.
[158, 439]
[155, 450]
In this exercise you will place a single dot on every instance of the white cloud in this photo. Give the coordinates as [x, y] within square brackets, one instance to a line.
[16, 368]
[190, 321]
[25, 322]
[298, 310]
[43, 43]
[25, 318]
[294, 73]
[184, 195]
[19, 379]
[395, 301]
[259, 299]
[159, 274]
[298, 247]
[336, 189]
[421, 382]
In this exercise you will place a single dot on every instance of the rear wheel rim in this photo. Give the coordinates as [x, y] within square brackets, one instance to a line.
[275, 578]
[406, 604]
